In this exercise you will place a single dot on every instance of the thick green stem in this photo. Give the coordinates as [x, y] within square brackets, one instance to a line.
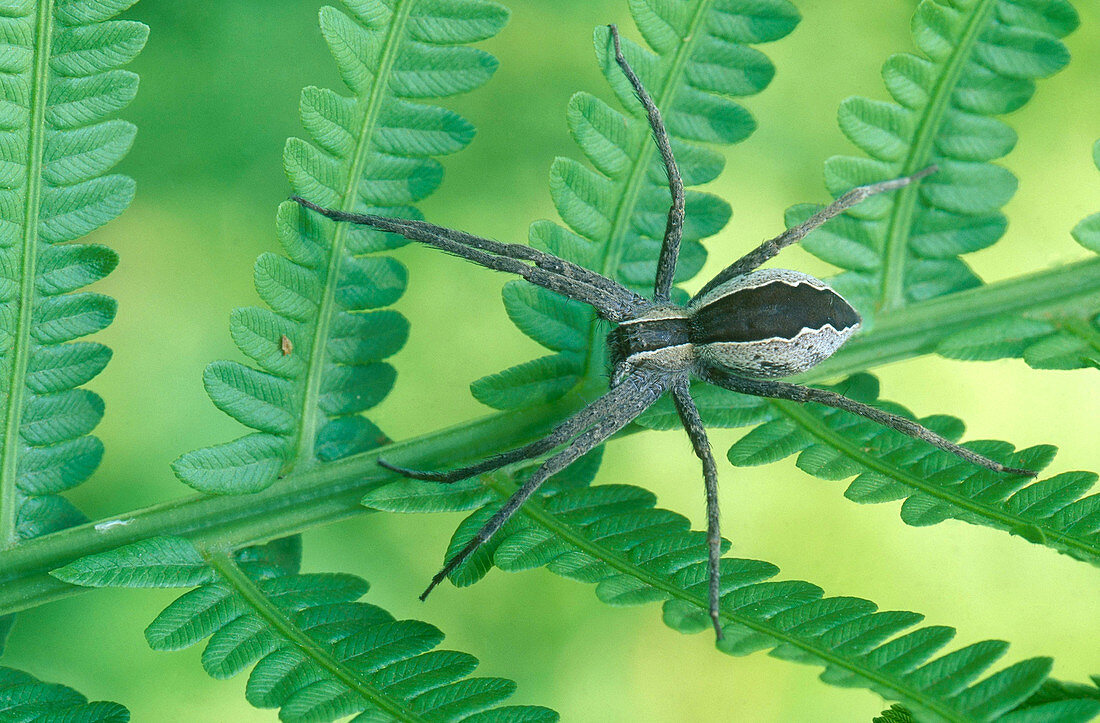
[20, 350]
[331, 492]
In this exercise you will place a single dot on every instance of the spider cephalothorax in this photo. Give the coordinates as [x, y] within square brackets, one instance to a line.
[744, 328]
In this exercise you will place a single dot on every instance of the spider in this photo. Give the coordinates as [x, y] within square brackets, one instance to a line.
[743, 329]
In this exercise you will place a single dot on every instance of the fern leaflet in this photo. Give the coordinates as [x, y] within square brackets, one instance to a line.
[1045, 341]
[978, 59]
[26, 698]
[316, 652]
[370, 152]
[613, 536]
[889, 466]
[60, 80]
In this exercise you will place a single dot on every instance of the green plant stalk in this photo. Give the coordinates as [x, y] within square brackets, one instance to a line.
[21, 339]
[896, 248]
[331, 492]
[278, 619]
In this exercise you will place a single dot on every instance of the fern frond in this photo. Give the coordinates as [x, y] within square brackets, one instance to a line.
[613, 536]
[373, 151]
[26, 698]
[889, 466]
[977, 59]
[59, 81]
[1069, 339]
[1054, 701]
[701, 60]
[315, 651]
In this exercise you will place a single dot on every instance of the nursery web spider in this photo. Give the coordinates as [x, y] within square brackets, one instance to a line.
[745, 328]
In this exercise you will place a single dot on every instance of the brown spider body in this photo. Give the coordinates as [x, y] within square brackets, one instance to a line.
[763, 324]
[742, 330]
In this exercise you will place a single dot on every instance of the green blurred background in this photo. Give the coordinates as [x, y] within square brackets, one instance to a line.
[219, 89]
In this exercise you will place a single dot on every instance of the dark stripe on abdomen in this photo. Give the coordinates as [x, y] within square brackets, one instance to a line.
[773, 310]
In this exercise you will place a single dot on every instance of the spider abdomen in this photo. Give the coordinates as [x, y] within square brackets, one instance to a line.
[770, 323]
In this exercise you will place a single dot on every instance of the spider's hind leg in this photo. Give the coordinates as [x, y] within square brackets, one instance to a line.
[693, 425]
[637, 394]
[568, 429]
[799, 393]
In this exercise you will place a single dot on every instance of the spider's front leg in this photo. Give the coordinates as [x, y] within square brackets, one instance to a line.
[793, 235]
[798, 393]
[610, 299]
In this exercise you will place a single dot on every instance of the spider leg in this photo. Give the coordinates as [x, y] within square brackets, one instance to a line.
[793, 235]
[674, 227]
[645, 391]
[566, 430]
[693, 424]
[610, 299]
[798, 393]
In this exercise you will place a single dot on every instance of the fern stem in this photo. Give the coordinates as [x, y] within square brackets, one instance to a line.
[568, 533]
[280, 621]
[328, 493]
[21, 339]
[896, 249]
[310, 416]
[594, 363]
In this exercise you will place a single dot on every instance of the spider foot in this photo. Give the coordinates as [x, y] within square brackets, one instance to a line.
[717, 625]
[1017, 470]
[419, 473]
[439, 577]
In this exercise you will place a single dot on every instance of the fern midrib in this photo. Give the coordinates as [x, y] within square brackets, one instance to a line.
[534, 511]
[897, 236]
[310, 413]
[281, 622]
[13, 415]
[624, 211]
[853, 451]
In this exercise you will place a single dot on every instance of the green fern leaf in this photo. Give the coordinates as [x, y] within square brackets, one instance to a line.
[1067, 340]
[318, 350]
[613, 536]
[888, 466]
[977, 59]
[1053, 701]
[701, 60]
[61, 80]
[26, 698]
[315, 651]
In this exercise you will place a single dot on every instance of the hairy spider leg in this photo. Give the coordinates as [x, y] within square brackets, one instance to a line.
[674, 227]
[798, 393]
[565, 431]
[644, 392]
[793, 235]
[693, 424]
[612, 301]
